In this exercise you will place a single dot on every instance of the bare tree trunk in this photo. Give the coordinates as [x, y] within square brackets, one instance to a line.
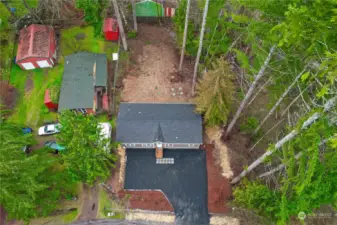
[281, 166]
[122, 13]
[26, 5]
[135, 27]
[185, 35]
[250, 92]
[278, 102]
[32, 11]
[200, 46]
[120, 25]
[278, 168]
[265, 134]
[328, 106]
[258, 92]
[294, 100]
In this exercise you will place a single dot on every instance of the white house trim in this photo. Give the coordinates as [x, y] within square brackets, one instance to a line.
[165, 145]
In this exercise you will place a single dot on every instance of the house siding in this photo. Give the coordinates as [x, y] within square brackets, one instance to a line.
[90, 111]
[33, 60]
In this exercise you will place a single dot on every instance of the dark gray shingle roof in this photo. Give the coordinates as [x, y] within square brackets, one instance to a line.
[146, 122]
[77, 90]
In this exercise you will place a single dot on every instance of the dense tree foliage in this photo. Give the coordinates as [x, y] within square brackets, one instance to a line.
[309, 182]
[31, 185]
[216, 41]
[94, 13]
[304, 33]
[215, 93]
[87, 155]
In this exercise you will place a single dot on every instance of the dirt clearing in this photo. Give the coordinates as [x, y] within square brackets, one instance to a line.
[153, 76]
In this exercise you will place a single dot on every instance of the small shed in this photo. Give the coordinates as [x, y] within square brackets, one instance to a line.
[149, 8]
[48, 101]
[37, 47]
[111, 29]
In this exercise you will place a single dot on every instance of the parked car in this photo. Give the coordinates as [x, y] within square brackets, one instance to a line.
[27, 130]
[54, 145]
[49, 129]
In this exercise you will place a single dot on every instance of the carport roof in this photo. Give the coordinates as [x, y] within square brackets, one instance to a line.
[151, 122]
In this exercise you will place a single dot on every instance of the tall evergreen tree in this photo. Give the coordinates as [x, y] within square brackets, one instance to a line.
[87, 155]
[29, 186]
[215, 92]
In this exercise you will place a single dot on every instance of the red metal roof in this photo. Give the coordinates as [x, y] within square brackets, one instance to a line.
[48, 102]
[110, 24]
[35, 41]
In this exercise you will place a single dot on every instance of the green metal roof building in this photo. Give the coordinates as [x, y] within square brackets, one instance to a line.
[149, 8]
[84, 74]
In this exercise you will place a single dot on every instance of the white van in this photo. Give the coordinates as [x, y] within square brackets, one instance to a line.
[106, 130]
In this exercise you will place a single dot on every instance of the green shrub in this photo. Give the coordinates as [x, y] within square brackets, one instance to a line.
[132, 34]
[93, 13]
[258, 197]
[249, 125]
[45, 109]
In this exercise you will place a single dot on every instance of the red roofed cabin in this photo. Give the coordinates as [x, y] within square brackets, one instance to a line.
[37, 47]
[111, 30]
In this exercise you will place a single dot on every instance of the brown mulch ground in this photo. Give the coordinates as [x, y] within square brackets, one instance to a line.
[147, 200]
[219, 189]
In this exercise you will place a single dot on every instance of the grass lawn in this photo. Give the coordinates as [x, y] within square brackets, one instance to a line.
[55, 220]
[6, 53]
[70, 217]
[7, 36]
[78, 39]
[107, 205]
[31, 84]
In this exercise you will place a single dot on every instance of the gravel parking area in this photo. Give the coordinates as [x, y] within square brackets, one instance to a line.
[184, 183]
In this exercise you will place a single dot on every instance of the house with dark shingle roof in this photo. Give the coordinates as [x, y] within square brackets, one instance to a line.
[159, 126]
[84, 83]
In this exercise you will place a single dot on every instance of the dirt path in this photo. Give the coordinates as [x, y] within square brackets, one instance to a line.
[153, 75]
[90, 203]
